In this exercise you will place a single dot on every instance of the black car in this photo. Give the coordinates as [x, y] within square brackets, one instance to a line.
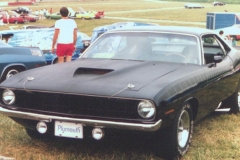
[21, 10]
[218, 4]
[158, 80]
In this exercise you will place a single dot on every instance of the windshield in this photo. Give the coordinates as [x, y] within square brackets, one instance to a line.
[146, 46]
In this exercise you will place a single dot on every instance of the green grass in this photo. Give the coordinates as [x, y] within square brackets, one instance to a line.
[215, 137]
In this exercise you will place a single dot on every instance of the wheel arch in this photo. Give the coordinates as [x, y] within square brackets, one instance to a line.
[54, 61]
[22, 67]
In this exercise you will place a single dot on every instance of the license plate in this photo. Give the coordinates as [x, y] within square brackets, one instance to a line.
[68, 129]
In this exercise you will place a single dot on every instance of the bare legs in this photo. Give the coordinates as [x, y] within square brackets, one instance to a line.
[61, 59]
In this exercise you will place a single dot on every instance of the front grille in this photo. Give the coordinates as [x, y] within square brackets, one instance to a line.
[78, 105]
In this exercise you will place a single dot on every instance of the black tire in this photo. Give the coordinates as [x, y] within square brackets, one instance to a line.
[16, 22]
[176, 139]
[83, 18]
[10, 72]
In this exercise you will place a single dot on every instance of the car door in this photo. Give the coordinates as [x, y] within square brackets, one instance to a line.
[221, 81]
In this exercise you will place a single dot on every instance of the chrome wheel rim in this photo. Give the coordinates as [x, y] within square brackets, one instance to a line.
[11, 73]
[183, 130]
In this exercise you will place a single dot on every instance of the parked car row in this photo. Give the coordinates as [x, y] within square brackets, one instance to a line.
[17, 17]
[81, 14]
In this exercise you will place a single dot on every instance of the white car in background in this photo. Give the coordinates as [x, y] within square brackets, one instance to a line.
[193, 5]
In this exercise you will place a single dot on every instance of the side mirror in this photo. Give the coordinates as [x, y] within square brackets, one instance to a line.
[218, 59]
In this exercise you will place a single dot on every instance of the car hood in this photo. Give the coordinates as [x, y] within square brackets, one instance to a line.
[96, 76]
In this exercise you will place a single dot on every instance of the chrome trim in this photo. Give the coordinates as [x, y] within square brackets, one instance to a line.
[70, 93]
[86, 122]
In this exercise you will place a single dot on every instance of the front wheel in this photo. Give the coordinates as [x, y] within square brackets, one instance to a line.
[10, 72]
[178, 137]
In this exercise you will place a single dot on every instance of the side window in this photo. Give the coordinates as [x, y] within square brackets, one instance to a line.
[212, 46]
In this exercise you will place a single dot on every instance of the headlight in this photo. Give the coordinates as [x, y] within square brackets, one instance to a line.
[146, 109]
[8, 97]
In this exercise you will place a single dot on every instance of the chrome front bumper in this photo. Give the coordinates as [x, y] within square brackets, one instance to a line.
[85, 122]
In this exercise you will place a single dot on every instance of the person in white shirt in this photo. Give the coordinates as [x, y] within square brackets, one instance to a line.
[65, 35]
[7, 17]
[36, 12]
[41, 14]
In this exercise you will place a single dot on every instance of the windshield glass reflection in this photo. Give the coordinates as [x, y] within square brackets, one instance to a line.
[146, 46]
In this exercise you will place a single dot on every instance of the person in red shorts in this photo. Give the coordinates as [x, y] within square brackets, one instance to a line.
[65, 35]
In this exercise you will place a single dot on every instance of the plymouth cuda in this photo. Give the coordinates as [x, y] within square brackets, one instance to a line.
[146, 79]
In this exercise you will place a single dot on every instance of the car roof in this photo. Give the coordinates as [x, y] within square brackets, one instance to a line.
[24, 30]
[173, 29]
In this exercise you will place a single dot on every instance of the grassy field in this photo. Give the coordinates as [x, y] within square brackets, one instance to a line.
[215, 137]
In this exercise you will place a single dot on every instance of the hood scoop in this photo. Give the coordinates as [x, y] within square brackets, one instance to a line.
[90, 71]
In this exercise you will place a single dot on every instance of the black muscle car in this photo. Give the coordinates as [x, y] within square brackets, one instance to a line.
[145, 79]
[22, 10]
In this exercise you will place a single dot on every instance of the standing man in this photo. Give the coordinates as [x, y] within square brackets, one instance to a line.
[36, 12]
[65, 35]
[41, 14]
[7, 17]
